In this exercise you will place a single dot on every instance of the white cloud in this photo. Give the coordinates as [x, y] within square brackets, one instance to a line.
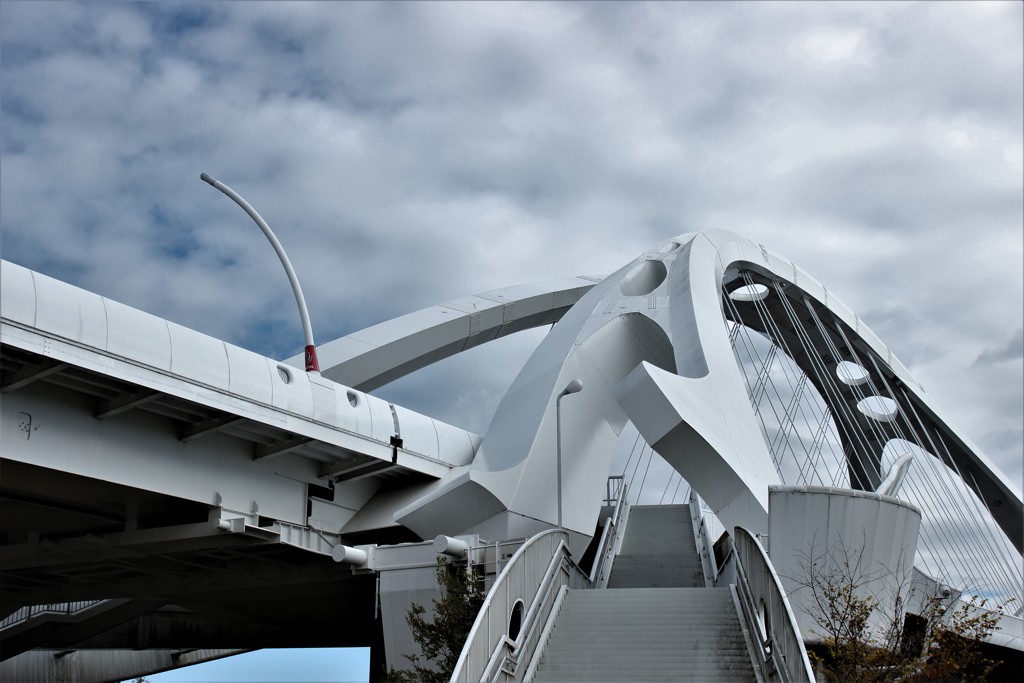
[831, 46]
[1013, 154]
[958, 138]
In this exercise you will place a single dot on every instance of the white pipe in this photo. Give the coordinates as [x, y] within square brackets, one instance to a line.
[349, 555]
[452, 547]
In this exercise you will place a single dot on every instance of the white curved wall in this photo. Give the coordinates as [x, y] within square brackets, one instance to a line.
[866, 537]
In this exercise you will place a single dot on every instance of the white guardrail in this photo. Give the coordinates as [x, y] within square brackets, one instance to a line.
[506, 627]
[611, 534]
[704, 544]
[519, 610]
[767, 613]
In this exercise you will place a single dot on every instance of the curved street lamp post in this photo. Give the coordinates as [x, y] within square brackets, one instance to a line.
[307, 330]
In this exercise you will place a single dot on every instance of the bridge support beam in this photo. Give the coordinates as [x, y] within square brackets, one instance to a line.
[95, 666]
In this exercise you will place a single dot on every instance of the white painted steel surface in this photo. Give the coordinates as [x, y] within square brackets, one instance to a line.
[649, 343]
[828, 526]
[64, 324]
[376, 355]
[662, 358]
[1008, 630]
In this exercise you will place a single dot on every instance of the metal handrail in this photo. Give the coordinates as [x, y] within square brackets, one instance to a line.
[506, 658]
[610, 536]
[63, 609]
[782, 652]
[488, 646]
[703, 539]
[508, 653]
[615, 482]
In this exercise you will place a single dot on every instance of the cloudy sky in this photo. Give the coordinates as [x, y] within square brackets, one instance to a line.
[408, 154]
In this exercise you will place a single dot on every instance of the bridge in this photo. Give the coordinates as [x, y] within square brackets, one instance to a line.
[168, 497]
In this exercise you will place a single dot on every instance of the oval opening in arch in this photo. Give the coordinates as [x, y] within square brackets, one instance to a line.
[643, 278]
[851, 374]
[515, 620]
[879, 408]
[754, 292]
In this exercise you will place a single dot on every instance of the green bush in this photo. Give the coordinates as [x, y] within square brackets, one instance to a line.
[442, 637]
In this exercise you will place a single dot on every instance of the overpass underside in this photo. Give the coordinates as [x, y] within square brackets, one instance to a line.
[146, 569]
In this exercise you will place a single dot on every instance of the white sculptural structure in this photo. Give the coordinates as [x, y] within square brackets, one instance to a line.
[199, 446]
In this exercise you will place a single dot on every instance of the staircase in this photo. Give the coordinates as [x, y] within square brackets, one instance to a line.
[38, 625]
[656, 621]
[658, 550]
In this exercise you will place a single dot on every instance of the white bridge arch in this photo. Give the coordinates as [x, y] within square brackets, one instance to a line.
[131, 445]
[650, 345]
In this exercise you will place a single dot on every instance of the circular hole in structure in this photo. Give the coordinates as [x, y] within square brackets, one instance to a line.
[879, 408]
[755, 292]
[851, 374]
[643, 278]
[515, 620]
[353, 399]
[284, 373]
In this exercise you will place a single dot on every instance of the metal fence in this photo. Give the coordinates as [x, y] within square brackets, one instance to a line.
[767, 613]
[24, 614]
[521, 605]
[703, 538]
[507, 629]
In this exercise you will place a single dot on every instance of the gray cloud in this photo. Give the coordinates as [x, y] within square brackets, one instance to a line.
[411, 153]
[1014, 350]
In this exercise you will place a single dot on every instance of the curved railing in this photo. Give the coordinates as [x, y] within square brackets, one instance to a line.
[539, 573]
[534, 577]
[767, 613]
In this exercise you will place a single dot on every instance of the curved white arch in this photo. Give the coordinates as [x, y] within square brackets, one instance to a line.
[696, 415]
[995, 491]
[374, 356]
[509, 488]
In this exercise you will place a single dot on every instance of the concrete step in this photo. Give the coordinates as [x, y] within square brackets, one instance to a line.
[642, 672]
[575, 639]
[647, 677]
[649, 625]
[658, 550]
[665, 664]
[647, 634]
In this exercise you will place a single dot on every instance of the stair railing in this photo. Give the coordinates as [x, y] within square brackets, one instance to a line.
[66, 609]
[611, 534]
[705, 548]
[768, 616]
[491, 652]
